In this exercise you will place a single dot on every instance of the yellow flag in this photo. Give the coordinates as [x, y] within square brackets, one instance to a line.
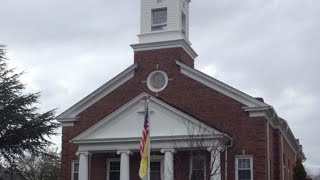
[144, 160]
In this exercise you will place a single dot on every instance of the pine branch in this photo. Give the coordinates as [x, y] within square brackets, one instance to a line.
[22, 127]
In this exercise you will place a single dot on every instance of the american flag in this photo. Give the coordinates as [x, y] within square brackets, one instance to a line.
[144, 146]
[145, 132]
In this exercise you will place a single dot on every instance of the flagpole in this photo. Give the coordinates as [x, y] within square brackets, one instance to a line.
[149, 154]
[145, 143]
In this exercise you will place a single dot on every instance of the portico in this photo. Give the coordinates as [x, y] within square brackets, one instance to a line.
[170, 132]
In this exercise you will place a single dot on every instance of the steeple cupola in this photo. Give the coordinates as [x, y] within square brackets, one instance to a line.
[164, 31]
[164, 20]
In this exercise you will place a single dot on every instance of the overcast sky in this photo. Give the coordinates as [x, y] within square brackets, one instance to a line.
[266, 48]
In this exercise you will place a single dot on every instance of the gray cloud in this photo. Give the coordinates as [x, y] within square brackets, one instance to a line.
[267, 48]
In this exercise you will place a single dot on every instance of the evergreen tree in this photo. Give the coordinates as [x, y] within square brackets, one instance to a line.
[23, 129]
[299, 173]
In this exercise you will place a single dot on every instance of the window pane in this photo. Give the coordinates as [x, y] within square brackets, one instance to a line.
[197, 175]
[244, 163]
[244, 174]
[159, 16]
[155, 176]
[114, 170]
[197, 169]
[198, 164]
[155, 169]
[115, 166]
[75, 176]
[183, 18]
[154, 166]
[75, 167]
[114, 176]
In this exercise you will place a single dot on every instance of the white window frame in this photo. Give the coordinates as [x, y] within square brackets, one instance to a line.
[243, 157]
[108, 165]
[204, 168]
[159, 158]
[72, 169]
[163, 25]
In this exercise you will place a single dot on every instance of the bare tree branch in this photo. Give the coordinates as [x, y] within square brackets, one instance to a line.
[200, 141]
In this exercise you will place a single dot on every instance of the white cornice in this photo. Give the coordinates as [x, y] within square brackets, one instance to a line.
[220, 86]
[290, 138]
[152, 138]
[70, 115]
[276, 122]
[164, 45]
[157, 143]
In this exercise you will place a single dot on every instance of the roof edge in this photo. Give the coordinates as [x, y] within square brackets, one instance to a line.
[152, 138]
[219, 86]
[71, 113]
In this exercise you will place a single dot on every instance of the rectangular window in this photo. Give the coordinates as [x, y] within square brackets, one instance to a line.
[244, 168]
[183, 23]
[159, 19]
[155, 170]
[75, 170]
[197, 168]
[113, 169]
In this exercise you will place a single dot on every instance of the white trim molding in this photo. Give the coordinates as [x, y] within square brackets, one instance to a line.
[108, 165]
[160, 159]
[237, 157]
[219, 86]
[68, 117]
[183, 43]
[151, 80]
[72, 169]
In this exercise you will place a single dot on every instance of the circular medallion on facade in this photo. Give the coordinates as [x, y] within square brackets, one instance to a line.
[157, 81]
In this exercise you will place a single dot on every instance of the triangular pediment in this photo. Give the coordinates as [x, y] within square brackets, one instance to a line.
[127, 122]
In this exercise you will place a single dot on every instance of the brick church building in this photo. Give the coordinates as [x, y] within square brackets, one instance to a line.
[200, 127]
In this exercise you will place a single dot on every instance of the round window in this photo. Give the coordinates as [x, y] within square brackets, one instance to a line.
[157, 81]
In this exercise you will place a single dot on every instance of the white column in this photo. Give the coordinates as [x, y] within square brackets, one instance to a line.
[124, 164]
[83, 165]
[168, 164]
[215, 163]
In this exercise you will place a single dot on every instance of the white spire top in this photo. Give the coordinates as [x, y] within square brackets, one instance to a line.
[164, 20]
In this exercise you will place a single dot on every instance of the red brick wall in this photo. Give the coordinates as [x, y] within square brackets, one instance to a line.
[182, 161]
[134, 166]
[276, 155]
[68, 153]
[98, 163]
[163, 56]
[289, 160]
[194, 98]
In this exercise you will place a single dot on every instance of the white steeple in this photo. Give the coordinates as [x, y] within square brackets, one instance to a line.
[164, 20]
